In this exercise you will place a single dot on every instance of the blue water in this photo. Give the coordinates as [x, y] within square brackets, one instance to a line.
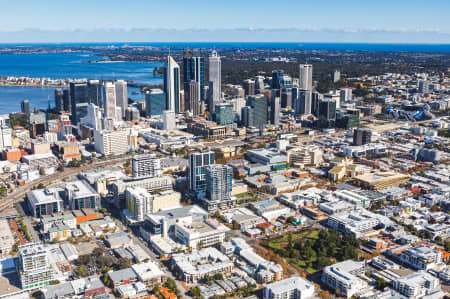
[63, 66]
[10, 97]
[69, 65]
[305, 46]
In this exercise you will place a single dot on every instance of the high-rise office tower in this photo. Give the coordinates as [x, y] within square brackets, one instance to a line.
[275, 111]
[155, 102]
[327, 113]
[59, 101]
[121, 96]
[192, 97]
[194, 69]
[286, 98]
[132, 114]
[346, 94]
[306, 76]
[172, 85]
[145, 166]
[78, 100]
[424, 86]
[219, 182]
[259, 104]
[197, 172]
[247, 116]
[93, 118]
[362, 136]
[110, 100]
[305, 102]
[259, 84]
[25, 107]
[169, 120]
[215, 79]
[95, 92]
[276, 77]
[67, 105]
[315, 100]
[34, 266]
[249, 87]
[335, 76]
[224, 114]
[286, 82]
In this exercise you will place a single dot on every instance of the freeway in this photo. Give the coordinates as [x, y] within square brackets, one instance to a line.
[20, 192]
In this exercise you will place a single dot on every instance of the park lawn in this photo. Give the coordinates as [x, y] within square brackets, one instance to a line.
[278, 242]
[300, 265]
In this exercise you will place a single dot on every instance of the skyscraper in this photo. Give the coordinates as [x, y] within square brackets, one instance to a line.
[259, 104]
[95, 92]
[78, 100]
[275, 111]
[197, 172]
[259, 84]
[194, 69]
[305, 101]
[286, 98]
[192, 97]
[155, 102]
[306, 76]
[121, 96]
[215, 79]
[247, 116]
[335, 76]
[219, 182]
[67, 105]
[327, 113]
[224, 114]
[59, 101]
[346, 94]
[276, 77]
[249, 87]
[110, 100]
[172, 85]
[25, 107]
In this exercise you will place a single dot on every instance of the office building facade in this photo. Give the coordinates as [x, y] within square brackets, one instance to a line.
[215, 79]
[306, 76]
[145, 166]
[172, 85]
[197, 172]
[155, 102]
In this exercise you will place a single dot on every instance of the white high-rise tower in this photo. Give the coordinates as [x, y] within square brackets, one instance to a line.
[215, 79]
[121, 96]
[172, 85]
[306, 76]
[110, 100]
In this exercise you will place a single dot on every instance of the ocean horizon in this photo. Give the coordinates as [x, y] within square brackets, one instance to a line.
[376, 47]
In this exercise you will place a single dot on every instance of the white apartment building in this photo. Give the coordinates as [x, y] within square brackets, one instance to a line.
[417, 285]
[421, 257]
[201, 234]
[290, 288]
[112, 142]
[34, 267]
[139, 202]
[208, 261]
[145, 166]
[343, 277]
[357, 222]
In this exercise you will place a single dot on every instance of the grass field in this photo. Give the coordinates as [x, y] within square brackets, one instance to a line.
[282, 241]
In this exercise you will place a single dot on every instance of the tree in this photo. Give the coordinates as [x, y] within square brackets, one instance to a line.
[218, 276]
[325, 295]
[381, 284]
[171, 285]
[41, 186]
[82, 271]
[195, 292]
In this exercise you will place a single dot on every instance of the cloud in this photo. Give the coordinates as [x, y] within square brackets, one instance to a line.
[248, 34]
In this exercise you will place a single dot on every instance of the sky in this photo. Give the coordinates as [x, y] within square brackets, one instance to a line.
[321, 20]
